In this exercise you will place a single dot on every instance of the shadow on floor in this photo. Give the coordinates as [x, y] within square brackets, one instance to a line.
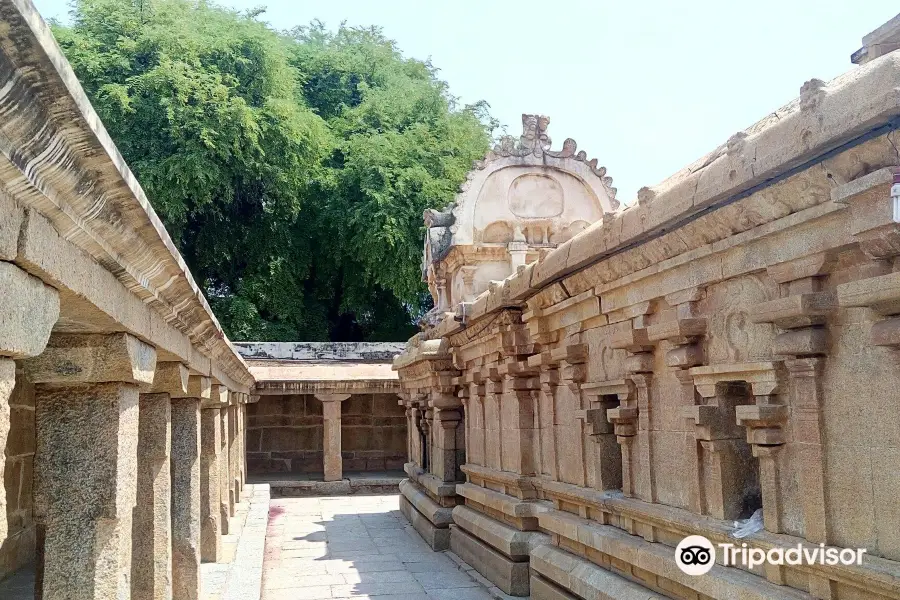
[341, 547]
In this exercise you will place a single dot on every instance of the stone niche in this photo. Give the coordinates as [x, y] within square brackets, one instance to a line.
[522, 199]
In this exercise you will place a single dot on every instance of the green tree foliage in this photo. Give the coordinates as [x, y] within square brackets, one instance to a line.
[291, 169]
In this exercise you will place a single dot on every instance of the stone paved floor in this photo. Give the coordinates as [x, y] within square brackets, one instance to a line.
[357, 547]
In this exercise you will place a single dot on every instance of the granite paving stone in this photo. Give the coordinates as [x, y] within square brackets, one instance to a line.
[356, 547]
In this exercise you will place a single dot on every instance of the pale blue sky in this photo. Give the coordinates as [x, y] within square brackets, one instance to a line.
[645, 86]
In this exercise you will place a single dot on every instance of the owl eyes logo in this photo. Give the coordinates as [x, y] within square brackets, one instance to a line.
[695, 555]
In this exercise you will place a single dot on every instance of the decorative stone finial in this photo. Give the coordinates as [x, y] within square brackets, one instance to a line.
[811, 94]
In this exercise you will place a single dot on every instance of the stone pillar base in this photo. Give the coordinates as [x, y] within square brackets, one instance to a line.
[511, 577]
[500, 552]
[436, 537]
[428, 517]
[541, 589]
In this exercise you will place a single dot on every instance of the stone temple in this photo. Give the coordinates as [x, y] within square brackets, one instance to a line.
[598, 380]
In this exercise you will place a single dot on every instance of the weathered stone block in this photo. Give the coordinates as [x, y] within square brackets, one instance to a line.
[436, 537]
[511, 577]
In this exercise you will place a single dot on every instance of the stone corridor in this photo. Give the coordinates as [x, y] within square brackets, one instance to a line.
[357, 547]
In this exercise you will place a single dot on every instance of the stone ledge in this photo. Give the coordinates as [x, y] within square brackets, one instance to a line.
[513, 543]
[438, 538]
[509, 576]
[441, 489]
[875, 573]
[585, 578]
[508, 505]
[655, 558]
[541, 589]
[244, 580]
[522, 482]
[436, 514]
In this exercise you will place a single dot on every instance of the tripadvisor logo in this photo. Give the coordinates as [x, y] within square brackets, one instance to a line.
[696, 555]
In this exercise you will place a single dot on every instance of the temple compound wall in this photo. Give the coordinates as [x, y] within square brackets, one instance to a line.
[726, 344]
[122, 402]
[325, 409]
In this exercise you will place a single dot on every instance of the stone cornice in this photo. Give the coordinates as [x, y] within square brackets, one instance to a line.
[357, 386]
[57, 159]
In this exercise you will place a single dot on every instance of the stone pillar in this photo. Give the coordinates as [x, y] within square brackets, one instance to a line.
[517, 419]
[85, 474]
[151, 539]
[186, 488]
[226, 507]
[446, 459]
[549, 379]
[225, 466]
[331, 411]
[243, 441]
[684, 334]
[210, 487]
[233, 448]
[610, 423]
[28, 310]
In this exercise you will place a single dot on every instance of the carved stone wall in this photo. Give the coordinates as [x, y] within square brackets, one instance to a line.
[726, 344]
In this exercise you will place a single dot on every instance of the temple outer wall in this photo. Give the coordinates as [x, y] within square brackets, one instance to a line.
[725, 345]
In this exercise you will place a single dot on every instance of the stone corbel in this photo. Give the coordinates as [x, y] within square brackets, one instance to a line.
[684, 332]
[873, 221]
[763, 419]
[882, 295]
[93, 358]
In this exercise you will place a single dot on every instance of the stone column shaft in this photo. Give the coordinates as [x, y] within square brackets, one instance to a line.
[227, 508]
[243, 453]
[151, 541]
[333, 468]
[331, 412]
[233, 452]
[186, 498]
[86, 480]
[7, 383]
[210, 488]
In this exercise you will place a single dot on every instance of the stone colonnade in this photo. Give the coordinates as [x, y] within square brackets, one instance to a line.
[129, 398]
[133, 479]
